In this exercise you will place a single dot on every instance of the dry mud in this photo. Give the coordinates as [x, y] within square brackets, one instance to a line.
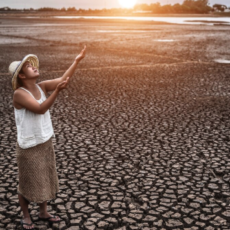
[142, 132]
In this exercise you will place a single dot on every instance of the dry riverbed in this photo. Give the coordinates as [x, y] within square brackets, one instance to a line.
[142, 131]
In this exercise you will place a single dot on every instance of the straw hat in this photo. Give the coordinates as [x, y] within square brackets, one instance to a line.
[15, 67]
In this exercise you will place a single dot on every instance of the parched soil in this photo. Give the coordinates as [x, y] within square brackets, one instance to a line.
[142, 131]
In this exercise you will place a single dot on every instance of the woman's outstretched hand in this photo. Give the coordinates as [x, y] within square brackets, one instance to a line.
[62, 85]
[81, 55]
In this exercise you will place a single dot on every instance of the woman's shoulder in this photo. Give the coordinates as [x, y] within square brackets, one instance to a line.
[17, 93]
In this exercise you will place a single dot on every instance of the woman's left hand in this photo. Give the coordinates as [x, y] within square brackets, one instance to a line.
[81, 55]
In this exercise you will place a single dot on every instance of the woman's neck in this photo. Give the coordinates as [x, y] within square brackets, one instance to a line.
[31, 85]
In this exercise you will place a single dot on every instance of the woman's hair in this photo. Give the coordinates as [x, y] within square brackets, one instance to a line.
[19, 81]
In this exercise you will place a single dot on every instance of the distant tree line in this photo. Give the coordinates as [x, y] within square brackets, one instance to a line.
[188, 6]
[220, 7]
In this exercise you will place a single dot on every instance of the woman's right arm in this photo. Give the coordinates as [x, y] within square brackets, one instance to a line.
[28, 102]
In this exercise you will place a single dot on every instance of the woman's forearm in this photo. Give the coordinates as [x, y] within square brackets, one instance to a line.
[48, 102]
[69, 72]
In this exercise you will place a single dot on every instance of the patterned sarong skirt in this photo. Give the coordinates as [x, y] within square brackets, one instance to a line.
[38, 179]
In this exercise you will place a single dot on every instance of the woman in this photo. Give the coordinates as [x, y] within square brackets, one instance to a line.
[38, 180]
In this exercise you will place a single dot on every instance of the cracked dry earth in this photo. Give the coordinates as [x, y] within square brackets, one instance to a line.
[142, 132]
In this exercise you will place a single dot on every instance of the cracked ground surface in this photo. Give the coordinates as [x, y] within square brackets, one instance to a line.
[142, 131]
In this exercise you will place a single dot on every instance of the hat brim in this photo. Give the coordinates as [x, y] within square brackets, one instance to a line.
[33, 59]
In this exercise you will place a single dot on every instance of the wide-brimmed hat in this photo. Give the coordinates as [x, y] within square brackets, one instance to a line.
[15, 67]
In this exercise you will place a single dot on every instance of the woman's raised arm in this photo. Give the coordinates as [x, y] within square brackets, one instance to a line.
[21, 98]
[50, 85]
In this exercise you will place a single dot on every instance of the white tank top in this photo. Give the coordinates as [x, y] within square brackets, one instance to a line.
[33, 128]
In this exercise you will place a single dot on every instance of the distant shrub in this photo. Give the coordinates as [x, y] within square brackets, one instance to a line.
[47, 9]
[71, 9]
[188, 6]
[220, 7]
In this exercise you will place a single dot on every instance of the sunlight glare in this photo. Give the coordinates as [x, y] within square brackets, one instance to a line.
[127, 3]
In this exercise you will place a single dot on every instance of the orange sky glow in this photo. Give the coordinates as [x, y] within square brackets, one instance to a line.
[127, 3]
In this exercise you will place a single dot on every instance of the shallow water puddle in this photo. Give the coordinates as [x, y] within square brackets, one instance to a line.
[132, 31]
[177, 20]
[74, 32]
[222, 61]
[109, 31]
[165, 40]
[12, 40]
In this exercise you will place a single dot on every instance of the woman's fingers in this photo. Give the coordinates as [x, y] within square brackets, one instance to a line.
[83, 51]
[60, 85]
[63, 84]
[82, 54]
[66, 81]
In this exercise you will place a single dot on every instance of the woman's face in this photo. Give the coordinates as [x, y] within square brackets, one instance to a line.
[29, 71]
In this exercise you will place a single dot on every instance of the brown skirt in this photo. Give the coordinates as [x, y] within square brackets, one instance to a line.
[38, 180]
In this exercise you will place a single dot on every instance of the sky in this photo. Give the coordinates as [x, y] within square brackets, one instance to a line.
[86, 4]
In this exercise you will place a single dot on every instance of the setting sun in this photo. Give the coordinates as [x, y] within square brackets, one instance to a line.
[127, 3]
